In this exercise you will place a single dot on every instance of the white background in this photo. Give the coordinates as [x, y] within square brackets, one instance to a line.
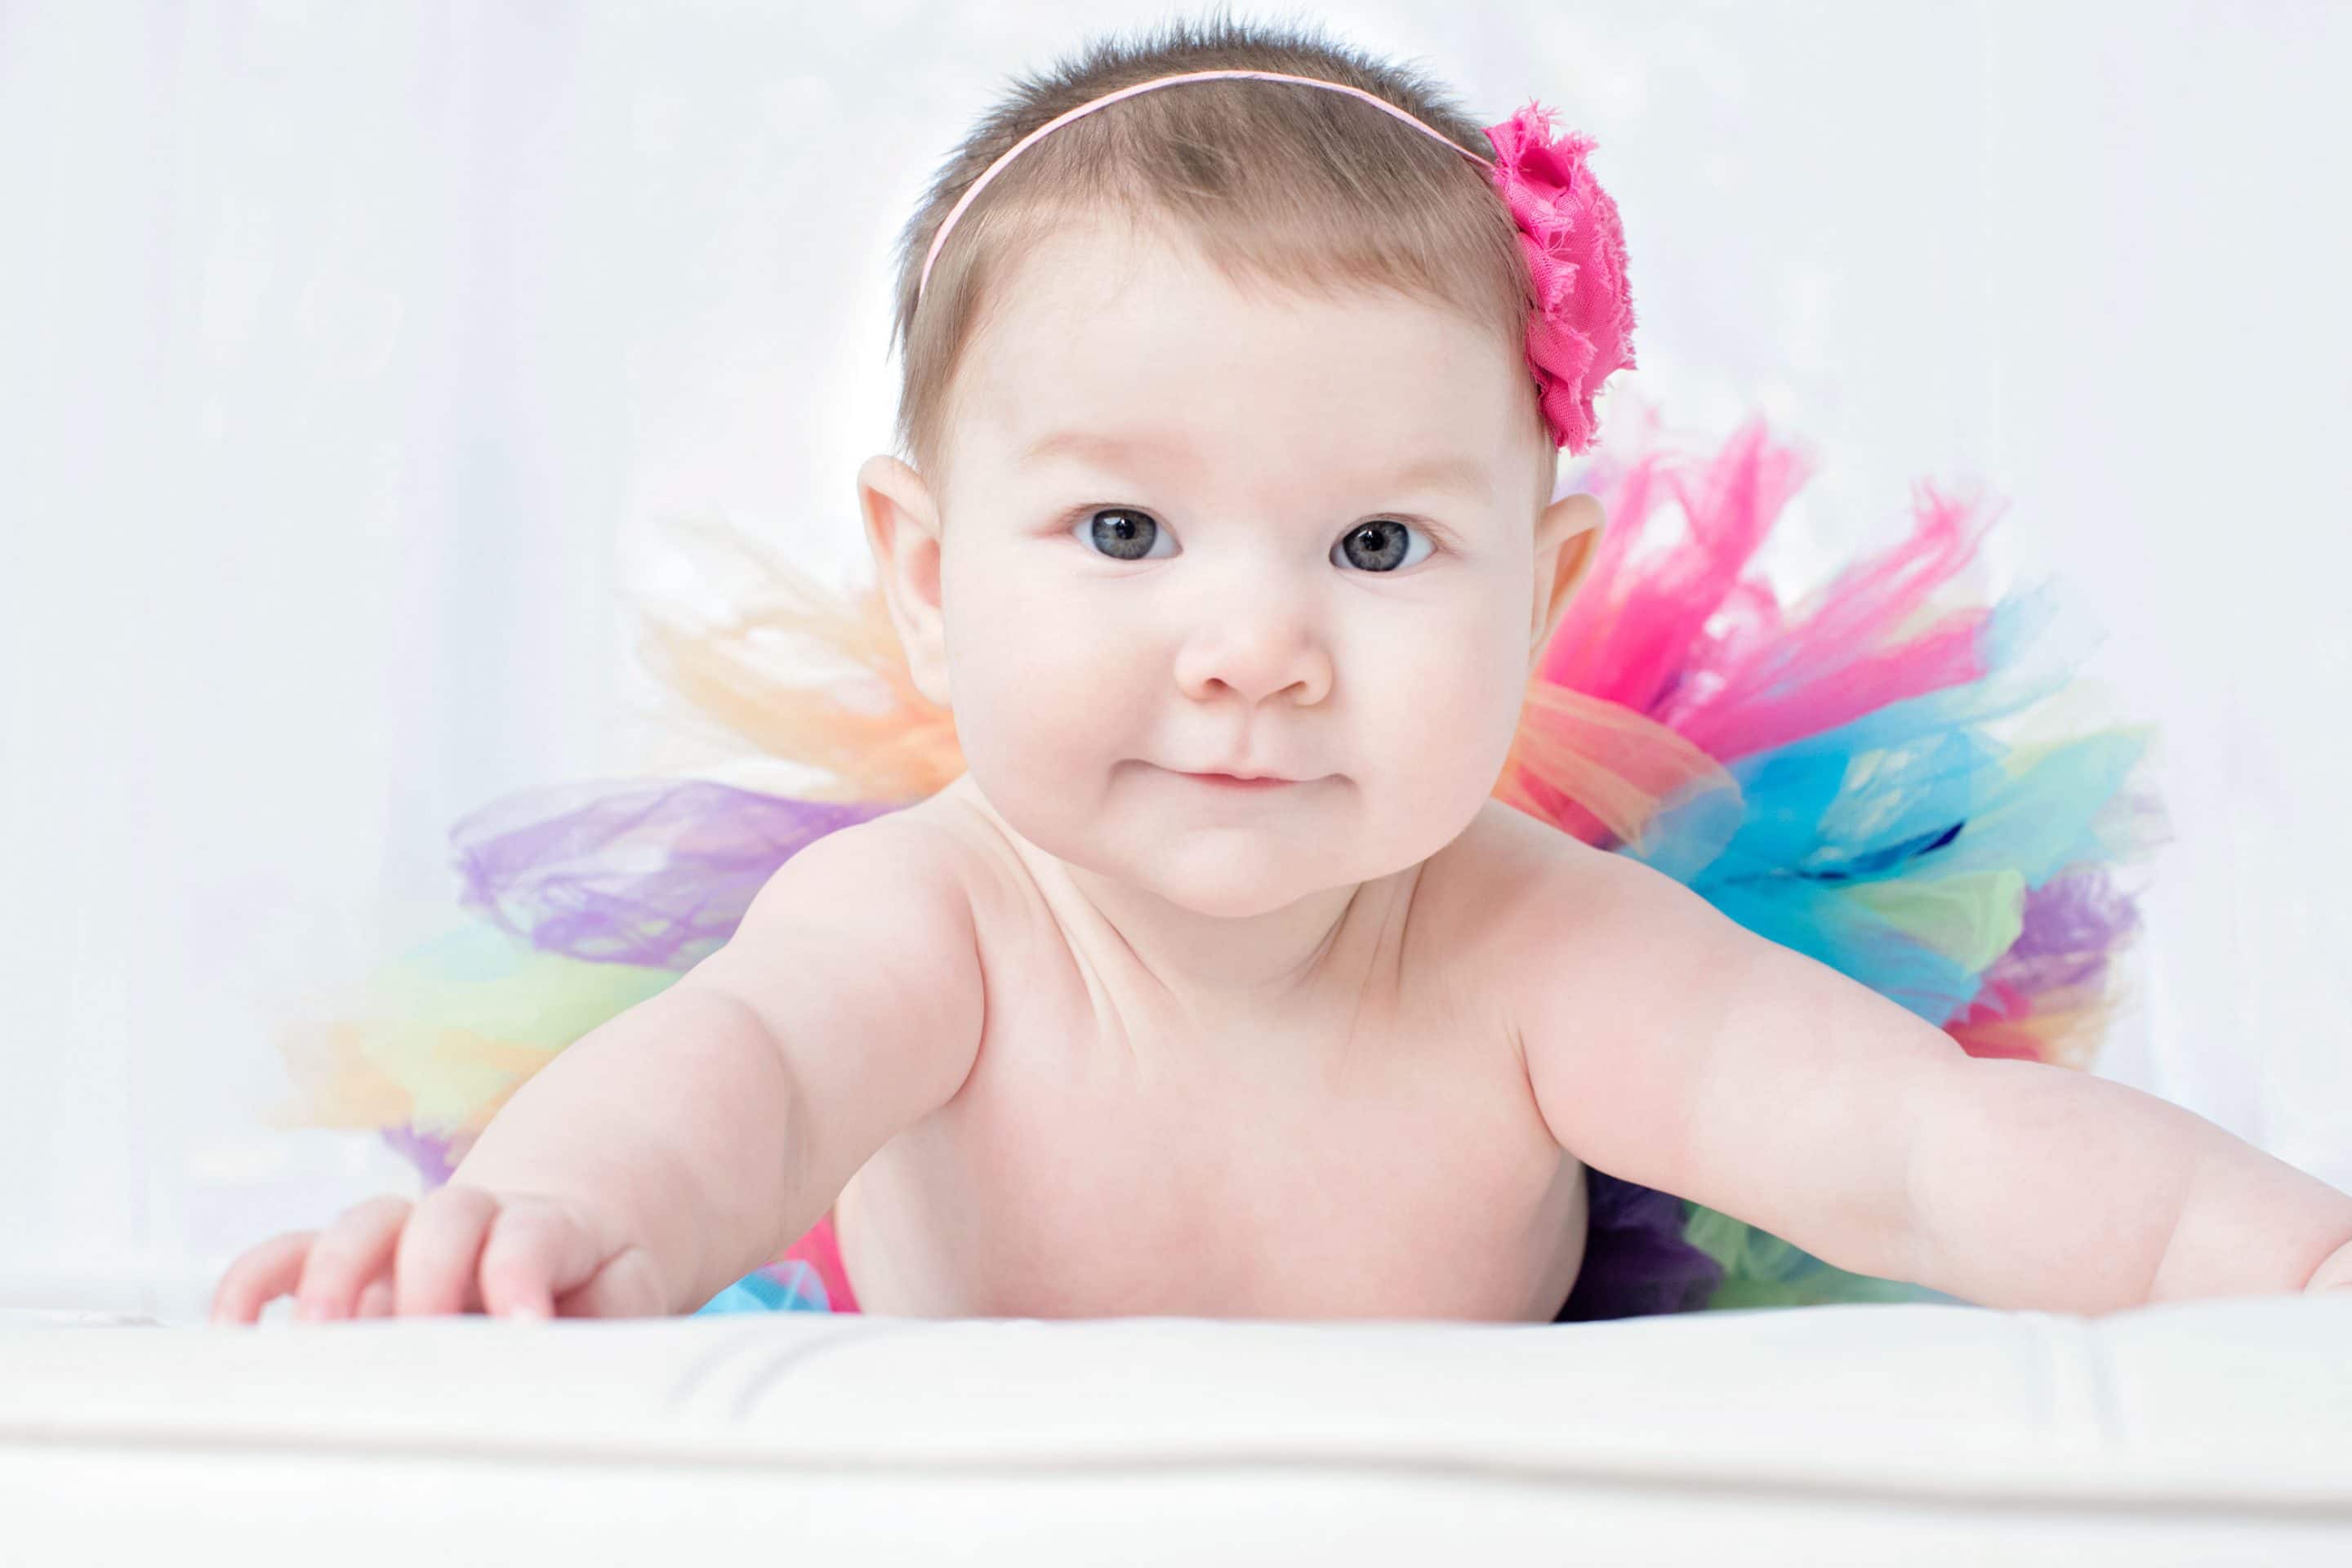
[350, 357]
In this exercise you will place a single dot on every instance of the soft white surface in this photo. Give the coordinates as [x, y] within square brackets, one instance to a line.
[2191, 1433]
[350, 355]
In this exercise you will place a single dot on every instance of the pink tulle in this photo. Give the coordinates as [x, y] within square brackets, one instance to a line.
[820, 1248]
[1693, 639]
[1581, 330]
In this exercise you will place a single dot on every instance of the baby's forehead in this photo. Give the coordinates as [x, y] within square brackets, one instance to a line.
[1102, 335]
[1106, 273]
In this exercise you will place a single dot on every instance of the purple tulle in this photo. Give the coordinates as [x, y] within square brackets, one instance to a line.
[655, 873]
[433, 1158]
[1636, 1259]
[2073, 923]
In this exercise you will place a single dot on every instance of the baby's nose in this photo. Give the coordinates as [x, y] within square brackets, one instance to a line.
[1255, 654]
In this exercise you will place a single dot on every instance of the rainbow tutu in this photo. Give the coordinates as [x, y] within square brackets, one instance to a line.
[1834, 774]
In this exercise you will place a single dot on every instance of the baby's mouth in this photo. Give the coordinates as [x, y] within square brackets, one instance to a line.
[1239, 782]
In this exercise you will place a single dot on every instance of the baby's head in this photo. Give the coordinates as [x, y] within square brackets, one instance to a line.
[1224, 456]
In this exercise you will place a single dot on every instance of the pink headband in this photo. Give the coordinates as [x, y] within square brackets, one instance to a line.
[1581, 329]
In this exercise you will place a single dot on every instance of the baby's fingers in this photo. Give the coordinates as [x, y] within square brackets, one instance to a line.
[260, 1276]
[432, 1269]
[353, 1251]
[536, 1253]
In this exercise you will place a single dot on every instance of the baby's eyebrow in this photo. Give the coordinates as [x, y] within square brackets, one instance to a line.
[1463, 476]
[1460, 474]
[1088, 444]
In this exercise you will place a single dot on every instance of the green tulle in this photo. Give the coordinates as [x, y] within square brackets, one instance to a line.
[1759, 1270]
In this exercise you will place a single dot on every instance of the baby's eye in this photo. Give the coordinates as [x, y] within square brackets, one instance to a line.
[1384, 544]
[1122, 534]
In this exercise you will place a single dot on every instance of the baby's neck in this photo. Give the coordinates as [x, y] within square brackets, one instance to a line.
[1253, 960]
[1246, 962]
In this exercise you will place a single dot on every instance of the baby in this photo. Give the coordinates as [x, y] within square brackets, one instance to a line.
[1220, 983]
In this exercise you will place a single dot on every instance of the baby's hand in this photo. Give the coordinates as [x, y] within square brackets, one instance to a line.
[2335, 1274]
[460, 1249]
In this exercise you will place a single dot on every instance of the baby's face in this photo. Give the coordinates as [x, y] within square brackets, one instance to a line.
[1192, 531]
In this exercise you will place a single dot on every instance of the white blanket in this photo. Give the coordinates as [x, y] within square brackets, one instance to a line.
[2197, 1432]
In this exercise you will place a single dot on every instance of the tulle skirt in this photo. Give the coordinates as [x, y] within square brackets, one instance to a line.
[1837, 775]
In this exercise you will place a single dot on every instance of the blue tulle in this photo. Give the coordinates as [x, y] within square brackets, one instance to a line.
[791, 1286]
[1896, 848]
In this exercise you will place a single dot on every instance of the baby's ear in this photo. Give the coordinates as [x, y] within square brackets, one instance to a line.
[1568, 534]
[902, 526]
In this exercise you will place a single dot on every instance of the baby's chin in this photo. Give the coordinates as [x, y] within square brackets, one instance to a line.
[1228, 872]
[1232, 893]
[1228, 858]
[1234, 873]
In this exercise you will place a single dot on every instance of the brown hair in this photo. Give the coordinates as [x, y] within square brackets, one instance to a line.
[1309, 191]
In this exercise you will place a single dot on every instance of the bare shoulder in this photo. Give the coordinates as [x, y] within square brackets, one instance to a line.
[918, 863]
[972, 844]
[934, 838]
[889, 895]
[1584, 947]
[1502, 888]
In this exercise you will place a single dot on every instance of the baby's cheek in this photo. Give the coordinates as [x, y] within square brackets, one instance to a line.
[1438, 695]
[1436, 716]
[1038, 703]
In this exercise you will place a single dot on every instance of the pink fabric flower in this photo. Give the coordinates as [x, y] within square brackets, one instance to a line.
[1582, 328]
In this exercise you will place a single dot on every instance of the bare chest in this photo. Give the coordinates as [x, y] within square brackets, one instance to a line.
[1387, 1161]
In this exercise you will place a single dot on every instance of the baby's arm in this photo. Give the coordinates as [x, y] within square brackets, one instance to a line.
[1731, 1070]
[724, 1122]
[674, 1149]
